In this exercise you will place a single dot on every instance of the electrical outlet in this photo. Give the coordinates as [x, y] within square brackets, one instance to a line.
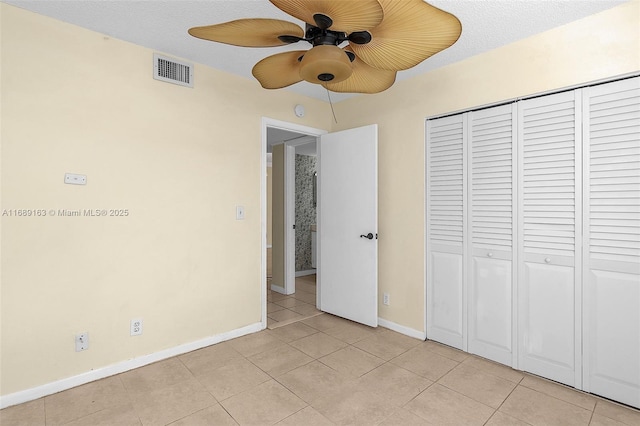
[136, 326]
[385, 298]
[82, 341]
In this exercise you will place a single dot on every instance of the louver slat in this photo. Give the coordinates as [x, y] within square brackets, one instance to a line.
[446, 181]
[548, 175]
[491, 178]
[614, 176]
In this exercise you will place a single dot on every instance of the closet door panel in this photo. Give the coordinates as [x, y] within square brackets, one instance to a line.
[612, 240]
[447, 296]
[549, 181]
[549, 294]
[491, 331]
[491, 209]
[614, 366]
[446, 216]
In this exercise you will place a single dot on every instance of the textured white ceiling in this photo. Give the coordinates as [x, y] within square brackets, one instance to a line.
[162, 26]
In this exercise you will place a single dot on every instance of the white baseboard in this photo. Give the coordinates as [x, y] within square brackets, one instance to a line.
[121, 367]
[305, 273]
[278, 289]
[402, 329]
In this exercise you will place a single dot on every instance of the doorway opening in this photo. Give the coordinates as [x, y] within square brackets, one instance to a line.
[289, 205]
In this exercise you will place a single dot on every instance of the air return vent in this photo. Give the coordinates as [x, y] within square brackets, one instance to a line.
[172, 71]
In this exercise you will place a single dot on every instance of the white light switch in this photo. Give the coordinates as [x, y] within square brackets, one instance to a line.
[239, 212]
[74, 179]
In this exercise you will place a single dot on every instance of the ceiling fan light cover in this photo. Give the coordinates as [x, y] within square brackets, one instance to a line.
[324, 64]
[365, 79]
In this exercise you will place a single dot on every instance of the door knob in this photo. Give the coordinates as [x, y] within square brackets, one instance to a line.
[548, 260]
[368, 236]
[489, 254]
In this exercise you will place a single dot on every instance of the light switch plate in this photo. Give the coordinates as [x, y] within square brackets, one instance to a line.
[82, 341]
[74, 179]
[239, 212]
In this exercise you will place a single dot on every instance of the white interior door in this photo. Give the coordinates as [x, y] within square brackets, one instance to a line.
[491, 218]
[549, 270]
[348, 213]
[446, 221]
[612, 240]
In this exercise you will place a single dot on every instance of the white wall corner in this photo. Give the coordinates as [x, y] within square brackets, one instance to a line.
[278, 289]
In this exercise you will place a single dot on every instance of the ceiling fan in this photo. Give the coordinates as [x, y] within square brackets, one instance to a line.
[381, 36]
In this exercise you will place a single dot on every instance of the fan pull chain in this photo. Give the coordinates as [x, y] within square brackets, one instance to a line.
[331, 103]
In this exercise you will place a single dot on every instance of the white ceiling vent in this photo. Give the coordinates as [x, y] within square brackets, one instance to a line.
[172, 71]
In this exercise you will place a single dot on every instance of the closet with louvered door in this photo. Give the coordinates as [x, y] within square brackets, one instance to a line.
[533, 236]
[612, 240]
[549, 224]
[446, 204]
[491, 249]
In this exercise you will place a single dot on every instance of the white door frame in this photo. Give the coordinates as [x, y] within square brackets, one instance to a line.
[289, 219]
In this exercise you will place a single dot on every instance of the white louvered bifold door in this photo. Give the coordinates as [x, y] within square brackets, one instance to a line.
[491, 207]
[549, 232]
[446, 188]
[612, 240]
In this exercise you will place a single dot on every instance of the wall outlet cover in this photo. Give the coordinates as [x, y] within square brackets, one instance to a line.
[136, 327]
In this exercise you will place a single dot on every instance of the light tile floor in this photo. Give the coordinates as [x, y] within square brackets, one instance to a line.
[322, 371]
[287, 309]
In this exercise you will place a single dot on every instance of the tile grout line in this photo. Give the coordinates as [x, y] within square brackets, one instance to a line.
[560, 399]
[293, 414]
[193, 377]
[593, 412]
[469, 397]
[507, 397]
[129, 399]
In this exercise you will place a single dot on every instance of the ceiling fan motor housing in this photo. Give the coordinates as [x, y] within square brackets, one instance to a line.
[324, 64]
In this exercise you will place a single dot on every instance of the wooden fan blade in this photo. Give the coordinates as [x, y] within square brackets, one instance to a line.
[411, 31]
[347, 15]
[249, 32]
[279, 70]
[364, 79]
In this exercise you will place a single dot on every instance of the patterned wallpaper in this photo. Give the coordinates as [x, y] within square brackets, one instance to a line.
[305, 210]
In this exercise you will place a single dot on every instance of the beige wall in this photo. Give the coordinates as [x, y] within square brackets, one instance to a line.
[601, 46]
[277, 216]
[178, 159]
